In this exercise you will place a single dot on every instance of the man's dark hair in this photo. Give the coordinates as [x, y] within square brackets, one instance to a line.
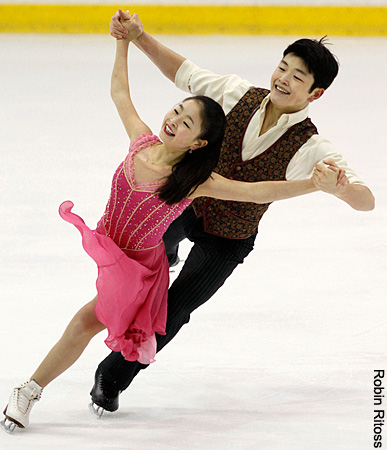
[319, 61]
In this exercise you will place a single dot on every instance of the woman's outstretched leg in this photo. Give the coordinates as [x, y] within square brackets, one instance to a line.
[65, 352]
[83, 326]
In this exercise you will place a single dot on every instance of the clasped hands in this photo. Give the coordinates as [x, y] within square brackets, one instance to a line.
[126, 26]
[329, 178]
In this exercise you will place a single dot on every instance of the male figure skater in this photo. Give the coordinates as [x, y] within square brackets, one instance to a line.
[269, 137]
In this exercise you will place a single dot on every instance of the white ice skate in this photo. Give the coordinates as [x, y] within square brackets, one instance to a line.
[21, 401]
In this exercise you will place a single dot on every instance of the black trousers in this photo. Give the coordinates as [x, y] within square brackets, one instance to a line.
[210, 262]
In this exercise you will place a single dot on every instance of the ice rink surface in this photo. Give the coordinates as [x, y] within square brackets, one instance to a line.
[282, 357]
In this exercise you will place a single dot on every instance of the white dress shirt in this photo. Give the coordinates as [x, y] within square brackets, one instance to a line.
[227, 90]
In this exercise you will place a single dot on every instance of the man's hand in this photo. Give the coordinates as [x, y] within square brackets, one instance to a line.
[126, 26]
[329, 178]
[342, 179]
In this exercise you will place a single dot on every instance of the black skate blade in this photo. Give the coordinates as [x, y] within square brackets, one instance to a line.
[96, 410]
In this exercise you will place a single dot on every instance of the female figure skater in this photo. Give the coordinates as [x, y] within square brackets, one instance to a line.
[151, 187]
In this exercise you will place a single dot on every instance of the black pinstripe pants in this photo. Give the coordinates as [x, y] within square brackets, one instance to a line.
[210, 262]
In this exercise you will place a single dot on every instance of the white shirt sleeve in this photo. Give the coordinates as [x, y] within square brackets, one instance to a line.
[227, 90]
[314, 151]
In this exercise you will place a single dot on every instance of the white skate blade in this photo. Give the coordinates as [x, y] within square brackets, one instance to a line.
[8, 426]
[96, 410]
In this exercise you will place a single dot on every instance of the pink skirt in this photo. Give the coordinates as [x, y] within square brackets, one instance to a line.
[132, 291]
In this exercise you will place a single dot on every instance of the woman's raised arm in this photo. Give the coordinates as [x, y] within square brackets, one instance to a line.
[120, 92]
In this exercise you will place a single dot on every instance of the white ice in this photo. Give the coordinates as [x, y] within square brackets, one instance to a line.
[282, 357]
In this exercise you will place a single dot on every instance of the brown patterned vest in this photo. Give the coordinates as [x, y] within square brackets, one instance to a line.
[237, 220]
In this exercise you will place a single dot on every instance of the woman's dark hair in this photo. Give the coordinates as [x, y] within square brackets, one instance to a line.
[196, 167]
[319, 61]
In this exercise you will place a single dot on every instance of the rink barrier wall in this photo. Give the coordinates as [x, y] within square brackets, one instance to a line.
[178, 19]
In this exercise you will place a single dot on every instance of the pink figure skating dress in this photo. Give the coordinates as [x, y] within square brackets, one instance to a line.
[127, 246]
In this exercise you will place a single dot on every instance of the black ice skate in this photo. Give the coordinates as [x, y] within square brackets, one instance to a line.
[103, 397]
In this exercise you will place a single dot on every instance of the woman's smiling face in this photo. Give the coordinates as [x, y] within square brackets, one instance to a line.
[182, 125]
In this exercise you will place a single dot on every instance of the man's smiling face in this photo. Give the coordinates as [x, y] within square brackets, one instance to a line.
[291, 83]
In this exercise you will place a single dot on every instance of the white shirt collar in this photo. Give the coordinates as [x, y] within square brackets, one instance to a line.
[286, 120]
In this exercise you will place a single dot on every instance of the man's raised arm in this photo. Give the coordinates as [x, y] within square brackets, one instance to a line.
[163, 57]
